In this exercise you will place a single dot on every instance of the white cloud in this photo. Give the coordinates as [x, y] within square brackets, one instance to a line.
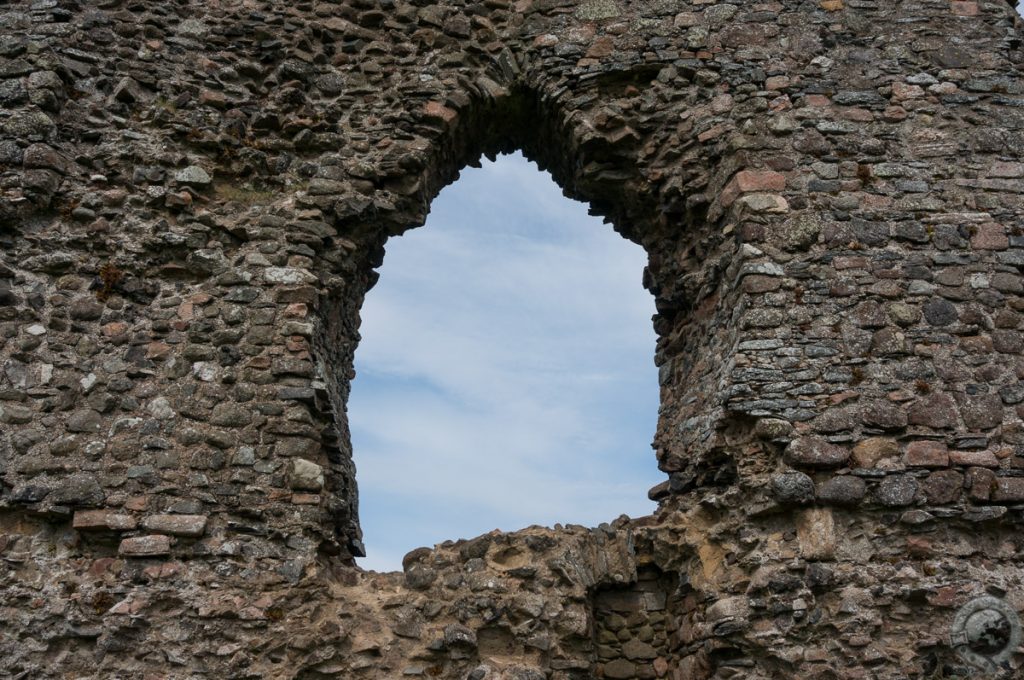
[505, 375]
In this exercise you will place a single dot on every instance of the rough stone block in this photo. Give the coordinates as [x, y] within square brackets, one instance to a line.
[102, 520]
[145, 546]
[974, 458]
[926, 454]
[746, 181]
[176, 525]
[816, 452]
[815, 529]
[1009, 489]
[304, 475]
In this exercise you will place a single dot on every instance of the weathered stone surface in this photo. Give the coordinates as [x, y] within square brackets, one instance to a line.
[982, 411]
[176, 525]
[927, 454]
[897, 490]
[793, 487]
[942, 487]
[196, 195]
[816, 452]
[937, 411]
[145, 546]
[870, 452]
[843, 490]
[816, 534]
[103, 520]
[193, 175]
[304, 475]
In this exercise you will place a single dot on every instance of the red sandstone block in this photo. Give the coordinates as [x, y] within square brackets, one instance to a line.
[746, 181]
[439, 111]
[712, 133]
[974, 458]
[926, 454]
[100, 520]
[990, 236]
[145, 546]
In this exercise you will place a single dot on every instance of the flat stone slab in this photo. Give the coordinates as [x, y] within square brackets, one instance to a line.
[176, 525]
[145, 546]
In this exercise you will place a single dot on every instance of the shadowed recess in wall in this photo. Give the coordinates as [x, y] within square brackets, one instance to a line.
[505, 373]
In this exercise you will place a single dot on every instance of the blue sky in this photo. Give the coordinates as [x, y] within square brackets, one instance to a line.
[505, 375]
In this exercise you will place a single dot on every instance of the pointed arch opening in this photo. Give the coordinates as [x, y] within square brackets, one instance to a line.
[505, 373]
[594, 157]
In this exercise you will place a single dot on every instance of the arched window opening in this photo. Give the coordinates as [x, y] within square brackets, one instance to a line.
[505, 374]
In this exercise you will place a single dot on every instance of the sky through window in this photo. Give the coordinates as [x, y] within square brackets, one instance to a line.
[505, 374]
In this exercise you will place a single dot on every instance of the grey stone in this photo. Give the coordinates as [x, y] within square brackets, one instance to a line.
[193, 175]
[897, 490]
[940, 312]
[842, 490]
[792, 487]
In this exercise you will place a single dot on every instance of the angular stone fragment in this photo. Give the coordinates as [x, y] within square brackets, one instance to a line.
[193, 175]
[981, 483]
[943, 486]
[927, 454]
[816, 452]
[419, 577]
[176, 525]
[868, 452]
[440, 112]
[815, 528]
[937, 410]
[883, 414]
[940, 312]
[746, 181]
[1009, 489]
[637, 650]
[80, 489]
[304, 475]
[127, 91]
[230, 415]
[981, 411]
[145, 546]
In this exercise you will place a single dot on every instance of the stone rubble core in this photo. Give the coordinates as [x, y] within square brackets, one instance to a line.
[195, 196]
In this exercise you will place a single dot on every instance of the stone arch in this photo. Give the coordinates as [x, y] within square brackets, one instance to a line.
[601, 163]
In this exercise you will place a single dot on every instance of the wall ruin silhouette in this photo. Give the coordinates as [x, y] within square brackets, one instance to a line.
[195, 195]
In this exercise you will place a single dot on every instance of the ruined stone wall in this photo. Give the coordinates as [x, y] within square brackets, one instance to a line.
[193, 199]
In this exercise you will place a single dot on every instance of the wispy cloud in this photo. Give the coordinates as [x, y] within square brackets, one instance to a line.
[505, 375]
